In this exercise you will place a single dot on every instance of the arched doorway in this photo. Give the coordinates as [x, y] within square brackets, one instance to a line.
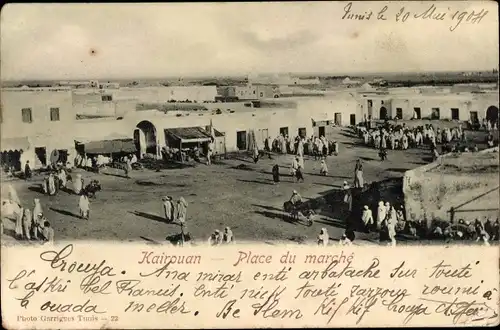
[492, 114]
[383, 113]
[145, 138]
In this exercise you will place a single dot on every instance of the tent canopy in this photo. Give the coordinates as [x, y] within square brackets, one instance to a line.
[191, 134]
[13, 144]
[109, 146]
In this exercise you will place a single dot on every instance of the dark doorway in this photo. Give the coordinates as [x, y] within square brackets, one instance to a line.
[11, 158]
[383, 113]
[302, 132]
[63, 156]
[338, 119]
[417, 113]
[321, 131]
[145, 138]
[41, 156]
[352, 119]
[241, 140]
[399, 113]
[473, 117]
[455, 114]
[284, 131]
[435, 114]
[492, 114]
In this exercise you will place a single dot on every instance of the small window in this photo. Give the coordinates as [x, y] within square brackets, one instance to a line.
[370, 103]
[254, 92]
[107, 98]
[284, 131]
[381, 102]
[435, 113]
[399, 113]
[455, 114]
[54, 114]
[261, 94]
[27, 117]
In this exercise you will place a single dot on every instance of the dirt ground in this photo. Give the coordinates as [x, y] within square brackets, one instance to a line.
[218, 196]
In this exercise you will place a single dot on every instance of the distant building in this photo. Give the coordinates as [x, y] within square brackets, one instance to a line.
[350, 83]
[281, 79]
[252, 92]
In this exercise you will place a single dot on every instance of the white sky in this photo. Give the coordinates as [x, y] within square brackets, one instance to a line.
[53, 41]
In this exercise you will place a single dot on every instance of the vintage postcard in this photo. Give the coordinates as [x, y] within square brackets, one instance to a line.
[250, 165]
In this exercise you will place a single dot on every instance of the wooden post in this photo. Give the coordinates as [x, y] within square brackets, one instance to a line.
[180, 151]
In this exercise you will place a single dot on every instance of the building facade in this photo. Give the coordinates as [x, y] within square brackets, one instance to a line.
[461, 106]
[42, 115]
[37, 123]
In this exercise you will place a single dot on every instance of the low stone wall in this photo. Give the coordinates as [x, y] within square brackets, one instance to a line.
[430, 193]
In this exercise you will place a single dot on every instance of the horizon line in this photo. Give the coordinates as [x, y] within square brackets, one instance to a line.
[238, 75]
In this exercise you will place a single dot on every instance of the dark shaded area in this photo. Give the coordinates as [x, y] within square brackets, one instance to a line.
[285, 173]
[349, 135]
[64, 212]
[147, 183]
[67, 190]
[36, 188]
[399, 170]
[242, 167]
[115, 175]
[326, 185]
[331, 204]
[256, 181]
[241, 159]
[150, 240]
[149, 216]
[329, 176]
[333, 223]
[11, 233]
[298, 239]
[159, 164]
[272, 208]
[174, 238]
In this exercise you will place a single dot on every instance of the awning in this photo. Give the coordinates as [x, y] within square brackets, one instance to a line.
[13, 144]
[191, 134]
[110, 146]
[112, 137]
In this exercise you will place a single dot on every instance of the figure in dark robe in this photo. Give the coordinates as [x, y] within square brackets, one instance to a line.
[276, 173]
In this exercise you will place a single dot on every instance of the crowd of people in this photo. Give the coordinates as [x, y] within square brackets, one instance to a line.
[300, 146]
[185, 154]
[388, 221]
[392, 137]
[96, 162]
[29, 225]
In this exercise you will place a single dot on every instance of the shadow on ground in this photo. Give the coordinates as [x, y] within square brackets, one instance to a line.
[64, 212]
[148, 216]
[36, 188]
[257, 181]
